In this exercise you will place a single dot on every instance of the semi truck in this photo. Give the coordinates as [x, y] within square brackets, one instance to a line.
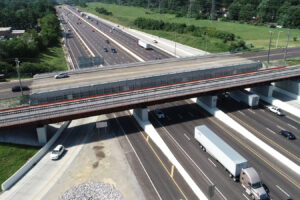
[246, 97]
[144, 44]
[232, 161]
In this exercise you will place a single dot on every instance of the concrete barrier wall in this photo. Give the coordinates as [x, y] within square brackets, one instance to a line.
[150, 130]
[28, 165]
[292, 86]
[144, 82]
[247, 134]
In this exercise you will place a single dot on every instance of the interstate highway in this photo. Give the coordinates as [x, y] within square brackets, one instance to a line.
[266, 126]
[183, 116]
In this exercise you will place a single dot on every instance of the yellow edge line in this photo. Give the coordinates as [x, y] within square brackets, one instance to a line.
[145, 138]
[257, 154]
[274, 143]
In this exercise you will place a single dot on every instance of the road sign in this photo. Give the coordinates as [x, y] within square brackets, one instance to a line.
[89, 62]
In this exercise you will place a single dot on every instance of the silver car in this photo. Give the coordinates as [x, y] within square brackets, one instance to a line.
[61, 75]
[57, 152]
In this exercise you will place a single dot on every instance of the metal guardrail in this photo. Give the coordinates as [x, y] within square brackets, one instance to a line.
[44, 112]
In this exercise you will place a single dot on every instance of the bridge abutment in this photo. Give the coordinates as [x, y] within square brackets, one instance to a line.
[141, 113]
[42, 134]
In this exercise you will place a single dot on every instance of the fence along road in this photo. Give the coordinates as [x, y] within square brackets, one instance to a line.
[120, 101]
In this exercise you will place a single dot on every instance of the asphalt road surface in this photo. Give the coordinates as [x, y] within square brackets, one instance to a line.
[183, 116]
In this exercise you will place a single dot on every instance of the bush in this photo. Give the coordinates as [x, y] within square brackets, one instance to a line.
[103, 11]
[272, 26]
[295, 39]
[33, 68]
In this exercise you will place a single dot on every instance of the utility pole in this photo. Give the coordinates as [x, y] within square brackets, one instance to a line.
[159, 5]
[212, 11]
[148, 4]
[189, 15]
[18, 71]
[271, 32]
[175, 44]
[278, 38]
[287, 44]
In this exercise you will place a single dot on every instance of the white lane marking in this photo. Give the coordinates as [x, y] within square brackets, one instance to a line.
[180, 116]
[137, 157]
[191, 114]
[187, 137]
[241, 113]
[212, 162]
[294, 120]
[292, 126]
[270, 130]
[117, 43]
[191, 159]
[282, 191]
[250, 110]
[279, 127]
[245, 196]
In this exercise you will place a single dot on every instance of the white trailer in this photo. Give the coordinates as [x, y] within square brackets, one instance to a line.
[221, 151]
[246, 97]
[144, 44]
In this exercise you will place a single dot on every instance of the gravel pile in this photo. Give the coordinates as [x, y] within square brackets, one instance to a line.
[92, 191]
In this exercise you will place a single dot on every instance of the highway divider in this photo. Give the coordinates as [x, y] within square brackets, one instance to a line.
[29, 164]
[150, 130]
[247, 134]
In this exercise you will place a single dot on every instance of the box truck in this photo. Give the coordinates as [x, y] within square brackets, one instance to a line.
[144, 44]
[246, 97]
[232, 161]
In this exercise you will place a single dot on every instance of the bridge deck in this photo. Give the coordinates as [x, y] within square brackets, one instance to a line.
[146, 69]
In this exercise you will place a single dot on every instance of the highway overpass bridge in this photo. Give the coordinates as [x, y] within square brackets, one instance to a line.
[138, 85]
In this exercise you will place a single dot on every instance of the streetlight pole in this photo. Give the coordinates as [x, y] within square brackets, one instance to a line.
[278, 38]
[271, 32]
[287, 44]
[18, 71]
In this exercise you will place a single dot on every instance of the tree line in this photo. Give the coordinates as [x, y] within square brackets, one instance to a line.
[282, 12]
[38, 18]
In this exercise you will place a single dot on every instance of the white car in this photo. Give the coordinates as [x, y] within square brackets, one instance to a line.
[57, 152]
[61, 75]
[275, 110]
[159, 114]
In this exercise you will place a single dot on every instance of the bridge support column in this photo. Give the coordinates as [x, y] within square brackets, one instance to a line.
[290, 86]
[42, 134]
[210, 101]
[266, 91]
[141, 113]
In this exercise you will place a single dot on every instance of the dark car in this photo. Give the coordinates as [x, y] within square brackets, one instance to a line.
[287, 134]
[113, 50]
[105, 49]
[107, 41]
[17, 88]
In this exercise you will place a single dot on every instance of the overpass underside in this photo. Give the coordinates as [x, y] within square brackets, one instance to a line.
[118, 101]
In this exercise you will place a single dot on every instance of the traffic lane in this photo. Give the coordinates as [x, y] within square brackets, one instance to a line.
[129, 41]
[271, 175]
[264, 125]
[6, 88]
[98, 40]
[165, 186]
[197, 163]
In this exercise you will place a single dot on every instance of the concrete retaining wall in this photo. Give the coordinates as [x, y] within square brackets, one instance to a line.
[247, 134]
[150, 130]
[292, 86]
[28, 165]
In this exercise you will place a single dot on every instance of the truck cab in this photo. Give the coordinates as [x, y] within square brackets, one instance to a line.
[251, 181]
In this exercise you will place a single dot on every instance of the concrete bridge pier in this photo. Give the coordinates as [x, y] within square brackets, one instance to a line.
[210, 101]
[266, 91]
[42, 134]
[141, 113]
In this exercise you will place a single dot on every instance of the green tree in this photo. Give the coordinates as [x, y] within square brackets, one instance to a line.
[234, 10]
[246, 13]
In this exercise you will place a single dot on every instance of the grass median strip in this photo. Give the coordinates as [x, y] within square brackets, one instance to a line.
[13, 157]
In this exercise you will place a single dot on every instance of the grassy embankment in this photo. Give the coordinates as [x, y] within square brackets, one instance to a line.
[257, 35]
[12, 157]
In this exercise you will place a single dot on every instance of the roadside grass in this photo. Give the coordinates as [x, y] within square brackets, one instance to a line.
[257, 35]
[54, 58]
[12, 157]
[293, 61]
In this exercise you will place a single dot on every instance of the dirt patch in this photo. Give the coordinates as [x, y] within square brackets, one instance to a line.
[95, 164]
[100, 154]
[97, 148]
